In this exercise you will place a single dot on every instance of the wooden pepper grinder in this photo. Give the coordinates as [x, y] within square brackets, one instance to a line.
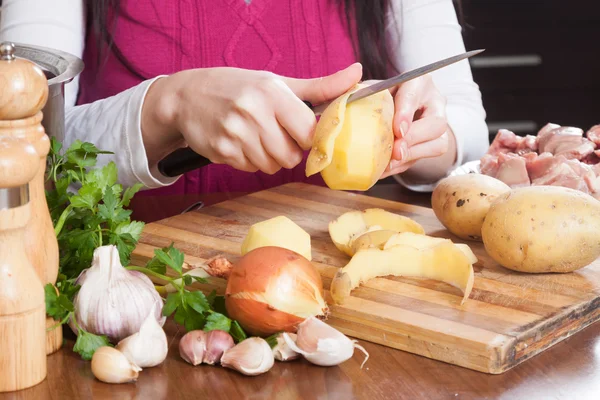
[23, 94]
[22, 304]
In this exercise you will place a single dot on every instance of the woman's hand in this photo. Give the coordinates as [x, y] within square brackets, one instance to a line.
[421, 131]
[250, 120]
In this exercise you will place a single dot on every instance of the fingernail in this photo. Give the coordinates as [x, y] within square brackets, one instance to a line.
[403, 128]
[402, 153]
[395, 164]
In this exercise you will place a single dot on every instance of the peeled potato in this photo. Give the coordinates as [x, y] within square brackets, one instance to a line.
[279, 232]
[351, 225]
[353, 142]
[443, 262]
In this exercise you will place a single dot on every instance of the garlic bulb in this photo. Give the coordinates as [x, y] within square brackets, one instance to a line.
[192, 347]
[252, 356]
[113, 301]
[322, 344]
[283, 352]
[149, 346]
[217, 342]
[109, 365]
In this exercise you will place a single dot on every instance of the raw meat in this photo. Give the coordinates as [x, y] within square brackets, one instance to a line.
[512, 170]
[566, 141]
[557, 155]
[593, 134]
[507, 142]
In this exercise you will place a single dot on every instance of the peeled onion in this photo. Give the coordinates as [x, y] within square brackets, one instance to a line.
[273, 289]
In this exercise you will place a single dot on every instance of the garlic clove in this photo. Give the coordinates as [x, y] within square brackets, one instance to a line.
[322, 344]
[252, 356]
[192, 347]
[217, 341]
[283, 352]
[109, 365]
[149, 346]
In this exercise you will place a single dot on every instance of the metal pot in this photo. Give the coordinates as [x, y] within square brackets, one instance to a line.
[60, 68]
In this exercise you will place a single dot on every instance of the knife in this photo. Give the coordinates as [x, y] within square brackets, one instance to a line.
[185, 159]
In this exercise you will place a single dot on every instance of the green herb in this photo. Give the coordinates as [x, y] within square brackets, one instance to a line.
[192, 309]
[93, 216]
[87, 343]
[272, 340]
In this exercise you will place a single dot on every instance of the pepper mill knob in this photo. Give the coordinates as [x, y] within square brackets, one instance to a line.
[19, 162]
[23, 85]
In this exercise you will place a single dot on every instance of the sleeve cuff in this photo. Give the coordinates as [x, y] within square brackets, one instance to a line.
[150, 178]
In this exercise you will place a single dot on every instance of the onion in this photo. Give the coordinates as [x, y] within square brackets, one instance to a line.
[273, 289]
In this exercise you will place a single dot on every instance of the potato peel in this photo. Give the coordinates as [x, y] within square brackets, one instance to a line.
[328, 128]
[349, 226]
[424, 241]
[443, 262]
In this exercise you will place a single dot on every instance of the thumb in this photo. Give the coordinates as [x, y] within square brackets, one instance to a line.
[320, 90]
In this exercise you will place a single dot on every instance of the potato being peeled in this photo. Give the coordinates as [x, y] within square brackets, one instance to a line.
[541, 229]
[461, 202]
[353, 142]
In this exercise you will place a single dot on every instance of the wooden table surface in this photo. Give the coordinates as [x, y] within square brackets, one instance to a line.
[569, 370]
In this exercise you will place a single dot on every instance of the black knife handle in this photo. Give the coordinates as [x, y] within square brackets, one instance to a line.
[185, 160]
[181, 161]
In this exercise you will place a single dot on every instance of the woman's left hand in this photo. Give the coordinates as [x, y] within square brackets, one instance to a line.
[420, 126]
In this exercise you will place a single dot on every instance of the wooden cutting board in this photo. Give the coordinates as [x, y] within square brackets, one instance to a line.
[508, 318]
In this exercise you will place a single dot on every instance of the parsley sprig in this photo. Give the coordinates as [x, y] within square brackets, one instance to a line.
[192, 309]
[96, 214]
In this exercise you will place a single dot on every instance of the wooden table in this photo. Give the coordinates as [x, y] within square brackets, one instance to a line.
[569, 370]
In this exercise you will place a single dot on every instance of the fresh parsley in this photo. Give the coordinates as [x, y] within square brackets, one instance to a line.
[192, 309]
[95, 214]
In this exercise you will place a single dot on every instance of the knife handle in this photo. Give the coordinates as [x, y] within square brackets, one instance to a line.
[181, 161]
[185, 160]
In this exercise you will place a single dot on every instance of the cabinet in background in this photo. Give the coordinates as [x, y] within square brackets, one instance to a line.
[541, 64]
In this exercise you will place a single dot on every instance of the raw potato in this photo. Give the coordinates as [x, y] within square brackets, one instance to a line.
[352, 224]
[280, 232]
[353, 142]
[423, 242]
[461, 202]
[444, 262]
[540, 229]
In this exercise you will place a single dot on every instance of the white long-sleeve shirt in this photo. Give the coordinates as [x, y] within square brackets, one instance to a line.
[419, 32]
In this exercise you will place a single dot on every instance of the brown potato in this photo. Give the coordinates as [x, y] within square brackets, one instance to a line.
[543, 229]
[461, 202]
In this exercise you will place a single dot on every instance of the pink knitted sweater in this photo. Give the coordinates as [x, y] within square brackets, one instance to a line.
[298, 38]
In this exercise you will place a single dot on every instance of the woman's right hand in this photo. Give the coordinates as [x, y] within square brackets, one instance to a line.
[250, 120]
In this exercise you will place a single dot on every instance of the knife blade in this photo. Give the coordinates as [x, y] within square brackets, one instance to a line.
[185, 159]
[401, 78]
